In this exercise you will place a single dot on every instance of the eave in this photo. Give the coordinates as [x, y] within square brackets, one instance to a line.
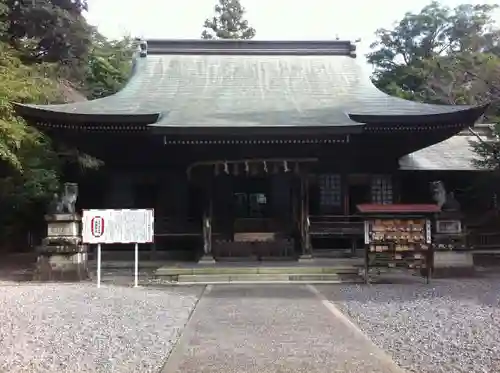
[45, 114]
[456, 114]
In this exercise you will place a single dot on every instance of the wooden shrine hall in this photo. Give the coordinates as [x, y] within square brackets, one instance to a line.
[250, 149]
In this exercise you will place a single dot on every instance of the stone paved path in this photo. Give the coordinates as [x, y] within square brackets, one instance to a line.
[272, 328]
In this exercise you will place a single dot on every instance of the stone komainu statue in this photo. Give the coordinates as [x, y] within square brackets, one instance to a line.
[438, 193]
[446, 201]
[65, 204]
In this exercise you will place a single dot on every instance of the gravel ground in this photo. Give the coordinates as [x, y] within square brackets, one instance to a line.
[79, 328]
[448, 326]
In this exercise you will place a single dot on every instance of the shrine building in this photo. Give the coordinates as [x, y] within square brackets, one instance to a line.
[257, 149]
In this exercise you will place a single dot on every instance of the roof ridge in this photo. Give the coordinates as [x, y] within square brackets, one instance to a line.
[249, 47]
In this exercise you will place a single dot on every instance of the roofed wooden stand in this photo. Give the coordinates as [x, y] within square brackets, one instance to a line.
[272, 142]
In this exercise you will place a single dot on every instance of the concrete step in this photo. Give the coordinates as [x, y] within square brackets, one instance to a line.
[254, 270]
[123, 264]
[337, 253]
[264, 278]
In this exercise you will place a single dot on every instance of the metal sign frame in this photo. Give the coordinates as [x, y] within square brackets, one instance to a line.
[98, 227]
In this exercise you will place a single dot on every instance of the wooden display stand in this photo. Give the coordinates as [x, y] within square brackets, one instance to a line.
[398, 236]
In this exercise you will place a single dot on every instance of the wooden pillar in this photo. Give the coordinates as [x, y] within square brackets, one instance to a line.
[306, 254]
[346, 200]
[207, 219]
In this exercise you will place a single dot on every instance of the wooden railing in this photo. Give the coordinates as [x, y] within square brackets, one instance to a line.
[336, 225]
[484, 240]
[165, 227]
[483, 232]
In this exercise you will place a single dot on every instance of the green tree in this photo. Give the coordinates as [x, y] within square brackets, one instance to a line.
[109, 65]
[20, 83]
[28, 165]
[447, 56]
[50, 31]
[400, 55]
[46, 50]
[463, 78]
[228, 22]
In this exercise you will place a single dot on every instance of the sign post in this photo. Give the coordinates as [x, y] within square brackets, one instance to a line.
[98, 265]
[136, 265]
[118, 227]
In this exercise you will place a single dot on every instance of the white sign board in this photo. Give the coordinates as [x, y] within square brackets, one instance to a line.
[118, 226]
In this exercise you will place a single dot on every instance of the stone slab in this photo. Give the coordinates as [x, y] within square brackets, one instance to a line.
[269, 329]
[315, 277]
[207, 259]
[447, 259]
[63, 229]
[62, 217]
[203, 278]
[291, 269]
[260, 277]
[254, 237]
[62, 267]
[306, 259]
[453, 264]
[53, 246]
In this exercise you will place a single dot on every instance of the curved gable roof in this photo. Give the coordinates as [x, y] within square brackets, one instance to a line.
[200, 83]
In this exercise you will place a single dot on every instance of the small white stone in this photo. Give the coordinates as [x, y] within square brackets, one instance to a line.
[79, 328]
[450, 326]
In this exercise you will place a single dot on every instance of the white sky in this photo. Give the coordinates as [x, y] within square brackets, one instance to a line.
[272, 19]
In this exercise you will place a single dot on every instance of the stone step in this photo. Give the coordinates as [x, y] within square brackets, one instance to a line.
[124, 264]
[264, 278]
[253, 270]
[337, 253]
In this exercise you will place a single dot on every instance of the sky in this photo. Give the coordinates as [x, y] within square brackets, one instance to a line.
[273, 19]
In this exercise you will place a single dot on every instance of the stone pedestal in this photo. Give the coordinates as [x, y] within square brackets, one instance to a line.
[206, 259]
[62, 256]
[306, 258]
[453, 264]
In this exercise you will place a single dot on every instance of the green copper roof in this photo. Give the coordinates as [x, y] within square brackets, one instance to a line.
[211, 84]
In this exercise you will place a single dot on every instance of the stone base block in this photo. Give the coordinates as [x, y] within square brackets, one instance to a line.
[59, 228]
[62, 217]
[206, 259]
[61, 244]
[453, 264]
[307, 258]
[62, 267]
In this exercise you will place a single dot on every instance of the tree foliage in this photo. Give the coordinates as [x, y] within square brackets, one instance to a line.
[402, 56]
[29, 167]
[228, 22]
[109, 65]
[50, 31]
[446, 56]
[22, 84]
[46, 45]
